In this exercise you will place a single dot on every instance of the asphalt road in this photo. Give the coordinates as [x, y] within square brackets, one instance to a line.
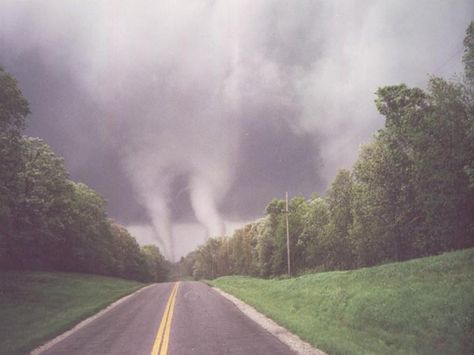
[189, 318]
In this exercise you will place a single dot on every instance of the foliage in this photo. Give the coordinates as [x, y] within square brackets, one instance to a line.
[13, 106]
[468, 57]
[33, 216]
[13, 111]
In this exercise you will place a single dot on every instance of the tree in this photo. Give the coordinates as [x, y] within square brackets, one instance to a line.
[225, 262]
[468, 57]
[311, 240]
[36, 218]
[445, 148]
[265, 245]
[412, 188]
[13, 106]
[88, 246]
[405, 110]
[157, 268]
[298, 210]
[337, 243]
[205, 265]
[13, 111]
[372, 206]
[468, 95]
[129, 261]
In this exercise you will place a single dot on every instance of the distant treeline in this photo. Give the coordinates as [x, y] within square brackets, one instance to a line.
[410, 194]
[48, 222]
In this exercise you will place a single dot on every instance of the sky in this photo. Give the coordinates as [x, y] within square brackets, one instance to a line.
[189, 117]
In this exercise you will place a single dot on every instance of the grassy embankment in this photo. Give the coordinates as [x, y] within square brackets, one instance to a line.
[36, 306]
[422, 306]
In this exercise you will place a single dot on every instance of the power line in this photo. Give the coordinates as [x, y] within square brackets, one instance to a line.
[458, 51]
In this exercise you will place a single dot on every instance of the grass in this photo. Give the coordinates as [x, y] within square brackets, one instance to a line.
[37, 306]
[422, 306]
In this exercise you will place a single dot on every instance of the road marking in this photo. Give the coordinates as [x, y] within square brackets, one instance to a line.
[166, 337]
[162, 337]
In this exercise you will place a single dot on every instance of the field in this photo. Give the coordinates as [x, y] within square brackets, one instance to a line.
[422, 306]
[36, 306]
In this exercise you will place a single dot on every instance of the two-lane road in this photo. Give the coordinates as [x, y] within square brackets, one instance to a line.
[171, 318]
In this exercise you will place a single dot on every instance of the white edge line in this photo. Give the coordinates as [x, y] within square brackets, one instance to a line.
[85, 322]
[285, 336]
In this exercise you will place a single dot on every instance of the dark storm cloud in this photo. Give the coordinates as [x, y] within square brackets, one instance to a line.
[202, 111]
[273, 158]
[67, 119]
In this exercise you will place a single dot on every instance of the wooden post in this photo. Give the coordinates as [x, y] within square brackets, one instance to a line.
[288, 237]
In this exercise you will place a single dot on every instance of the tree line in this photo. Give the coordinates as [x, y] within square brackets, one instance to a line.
[410, 194]
[49, 222]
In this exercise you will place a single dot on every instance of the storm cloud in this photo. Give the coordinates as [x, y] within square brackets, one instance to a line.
[188, 116]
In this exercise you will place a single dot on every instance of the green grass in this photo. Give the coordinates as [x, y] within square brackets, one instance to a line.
[422, 306]
[36, 306]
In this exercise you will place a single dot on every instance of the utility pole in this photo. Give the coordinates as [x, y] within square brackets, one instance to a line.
[288, 237]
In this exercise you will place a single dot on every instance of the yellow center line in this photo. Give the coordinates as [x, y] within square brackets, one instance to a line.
[166, 337]
[162, 337]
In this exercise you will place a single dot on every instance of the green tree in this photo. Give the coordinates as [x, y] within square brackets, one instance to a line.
[37, 217]
[156, 265]
[89, 242]
[205, 265]
[225, 262]
[129, 261]
[298, 210]
[13, 106]
[404, 110]
[13, 111]
[338, 246]
[412, 188]
[468, 95]
[265, 246]
[311, 240]
[372, 206]
[444, 148]
[468, 57]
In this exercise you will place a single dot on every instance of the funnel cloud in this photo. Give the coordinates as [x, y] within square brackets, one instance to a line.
[190, 116]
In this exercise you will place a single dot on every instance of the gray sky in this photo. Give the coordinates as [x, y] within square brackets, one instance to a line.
[189, 117]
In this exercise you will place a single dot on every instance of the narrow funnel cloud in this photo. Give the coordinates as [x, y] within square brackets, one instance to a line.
[160, 218]
[204, 205]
